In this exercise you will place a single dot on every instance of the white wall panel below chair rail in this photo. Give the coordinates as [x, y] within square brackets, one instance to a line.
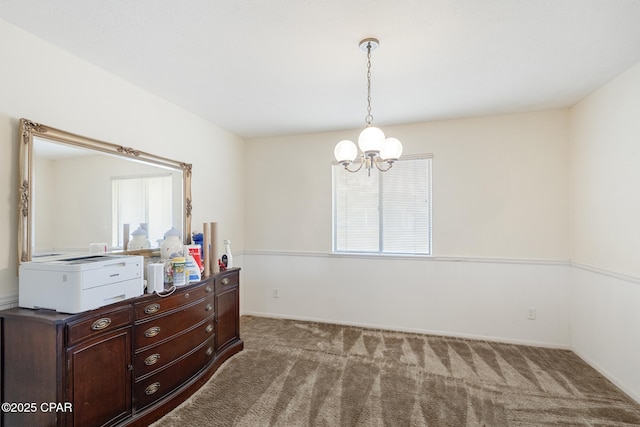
[605, 324]
[509, 300]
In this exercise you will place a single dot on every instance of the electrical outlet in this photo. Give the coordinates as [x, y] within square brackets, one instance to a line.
[531, 314]
[276, 293]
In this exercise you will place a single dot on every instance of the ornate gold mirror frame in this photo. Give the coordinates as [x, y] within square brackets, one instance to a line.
[29, 130]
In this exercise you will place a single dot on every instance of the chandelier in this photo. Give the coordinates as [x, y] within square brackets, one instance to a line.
[376, 150]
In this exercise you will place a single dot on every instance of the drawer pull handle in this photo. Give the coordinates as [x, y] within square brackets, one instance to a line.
[209, 307]
[208, 289]
[209, 328]
[152, 308]
[152, 360]
[100, 324]
[226, 281]
[209, 351]
[152, 332]
[152, 389]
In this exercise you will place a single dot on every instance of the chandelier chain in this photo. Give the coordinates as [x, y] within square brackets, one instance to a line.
[369, 117]
[377, 150]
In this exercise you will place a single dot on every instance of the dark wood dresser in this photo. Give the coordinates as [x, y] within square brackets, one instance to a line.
[124, 364]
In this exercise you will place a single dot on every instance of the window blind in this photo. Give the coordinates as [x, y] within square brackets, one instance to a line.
[386, 213]
[141, 199]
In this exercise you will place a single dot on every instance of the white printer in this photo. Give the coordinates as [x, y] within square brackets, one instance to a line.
[76, 284]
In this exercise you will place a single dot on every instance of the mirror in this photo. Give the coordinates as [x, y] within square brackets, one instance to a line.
[79, 194]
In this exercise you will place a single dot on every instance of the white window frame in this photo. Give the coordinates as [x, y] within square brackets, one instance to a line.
[425, 247]
[145, 203]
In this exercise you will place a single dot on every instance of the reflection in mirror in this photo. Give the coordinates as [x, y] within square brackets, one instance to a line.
[144, 201]
[77, 191]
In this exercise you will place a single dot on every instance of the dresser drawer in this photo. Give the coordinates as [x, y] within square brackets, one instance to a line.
[160, 305]
[158, 356]
[102, 321]
[152, 388]
[161, 328]
[226, 280]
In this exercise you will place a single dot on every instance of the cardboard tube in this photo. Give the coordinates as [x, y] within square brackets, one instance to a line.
[206, 248]
[215, 268]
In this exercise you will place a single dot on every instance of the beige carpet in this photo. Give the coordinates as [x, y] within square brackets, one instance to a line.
[295, 373]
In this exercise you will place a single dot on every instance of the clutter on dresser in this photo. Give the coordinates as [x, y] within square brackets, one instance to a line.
[139, 240]
[80, 283]
[193, 263]
[227, 258]
[171, 246]
[155, 277]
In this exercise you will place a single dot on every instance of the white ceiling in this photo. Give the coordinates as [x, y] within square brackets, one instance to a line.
[274, 67]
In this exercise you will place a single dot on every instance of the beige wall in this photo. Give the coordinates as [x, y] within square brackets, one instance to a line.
[605, 154]
[605, 294]
[500, 186]
[500, 234]
[43, 83]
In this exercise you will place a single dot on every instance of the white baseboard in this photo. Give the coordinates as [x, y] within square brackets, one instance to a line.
[607, 375]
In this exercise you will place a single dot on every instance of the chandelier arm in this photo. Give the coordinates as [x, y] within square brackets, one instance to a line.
[381, 169]
[346, 167]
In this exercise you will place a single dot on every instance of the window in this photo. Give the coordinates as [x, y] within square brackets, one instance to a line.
[138, 200]
[385, 213]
